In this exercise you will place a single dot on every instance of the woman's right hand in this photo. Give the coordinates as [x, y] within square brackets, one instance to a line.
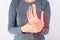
[29, 28]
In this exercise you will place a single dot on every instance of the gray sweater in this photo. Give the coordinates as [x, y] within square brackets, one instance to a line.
[18, 17]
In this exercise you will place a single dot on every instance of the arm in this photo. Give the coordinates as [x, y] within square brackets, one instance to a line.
[12, 27]
[47, 15]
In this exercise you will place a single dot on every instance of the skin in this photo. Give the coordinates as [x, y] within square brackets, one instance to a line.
[29, 1]
[34, 25]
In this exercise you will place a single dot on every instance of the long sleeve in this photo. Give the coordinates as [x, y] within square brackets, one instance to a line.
[12, 27]
[47, 15]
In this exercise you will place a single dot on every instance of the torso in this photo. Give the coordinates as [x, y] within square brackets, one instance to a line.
[22, 11]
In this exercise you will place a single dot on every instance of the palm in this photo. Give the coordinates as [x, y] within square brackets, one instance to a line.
[33, 20]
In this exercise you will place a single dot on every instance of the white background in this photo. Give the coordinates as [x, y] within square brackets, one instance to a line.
[54, 33]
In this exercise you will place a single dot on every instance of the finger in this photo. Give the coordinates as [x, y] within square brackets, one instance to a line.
[34, 10]
[42, 16]
[27, 14]
[31, 14]
[33, 26]
[34, 31]
[40, 23]
[41, 27]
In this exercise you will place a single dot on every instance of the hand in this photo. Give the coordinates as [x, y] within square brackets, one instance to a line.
[32, 15]
[33, 19]
[35, 28]
[40, 26]
[29, 28]
[34, 24]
